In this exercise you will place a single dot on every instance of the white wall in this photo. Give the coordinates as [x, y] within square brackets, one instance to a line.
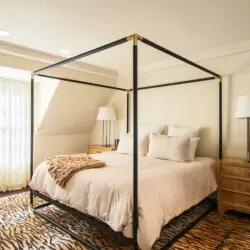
[55, 144]
[236, 129]
[194, 104]
[69, 123]
[45, 90]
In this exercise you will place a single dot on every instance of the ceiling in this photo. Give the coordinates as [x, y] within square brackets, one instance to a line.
[184, 26]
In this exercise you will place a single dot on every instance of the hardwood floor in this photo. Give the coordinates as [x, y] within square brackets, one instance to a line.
[7, 193]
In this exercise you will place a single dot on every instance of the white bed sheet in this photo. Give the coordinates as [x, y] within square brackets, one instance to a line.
[166, 189]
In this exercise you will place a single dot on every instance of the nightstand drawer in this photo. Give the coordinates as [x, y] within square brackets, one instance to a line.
[239, 171]
[236, 198]
[231, 183]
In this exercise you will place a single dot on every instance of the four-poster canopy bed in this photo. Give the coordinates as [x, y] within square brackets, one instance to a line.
[134, 38]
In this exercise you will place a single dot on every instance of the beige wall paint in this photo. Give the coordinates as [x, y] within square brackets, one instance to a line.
[70, 124]
[44, 92]
[49, 145]
[195, 104]
[66, 112]
[235, 132]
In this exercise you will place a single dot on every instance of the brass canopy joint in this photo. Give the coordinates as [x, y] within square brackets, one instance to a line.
[135, 37]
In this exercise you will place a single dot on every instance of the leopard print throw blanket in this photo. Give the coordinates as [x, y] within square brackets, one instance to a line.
[63, 167]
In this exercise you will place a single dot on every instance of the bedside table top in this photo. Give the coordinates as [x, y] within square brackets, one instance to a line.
[235, 161]
[101, 146]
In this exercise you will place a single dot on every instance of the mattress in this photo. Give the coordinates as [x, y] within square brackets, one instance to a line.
[166, 189]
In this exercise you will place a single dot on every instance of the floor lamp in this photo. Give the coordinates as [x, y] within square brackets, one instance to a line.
[243, 112]
[106, 115]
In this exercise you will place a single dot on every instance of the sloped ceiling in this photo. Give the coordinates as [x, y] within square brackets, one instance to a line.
[65, 108]
[73, 109]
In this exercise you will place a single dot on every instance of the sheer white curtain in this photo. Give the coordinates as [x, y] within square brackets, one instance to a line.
[14, 133]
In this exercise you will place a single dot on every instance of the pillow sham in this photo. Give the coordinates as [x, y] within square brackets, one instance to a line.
[193, 143]
[174, 130]
[125, 145]
[168, 148]
[142, 130]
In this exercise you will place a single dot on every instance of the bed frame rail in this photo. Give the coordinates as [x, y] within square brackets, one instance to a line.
[135, 38]
[94, 222]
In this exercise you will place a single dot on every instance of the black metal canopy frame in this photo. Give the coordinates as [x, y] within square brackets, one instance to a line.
[134, 38]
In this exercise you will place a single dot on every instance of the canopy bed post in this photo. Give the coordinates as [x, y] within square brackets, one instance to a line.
[81, 82]
[135, 38]
[177, 83]
[128, 100]
[31, 135]
[220, 120]
[135, 141]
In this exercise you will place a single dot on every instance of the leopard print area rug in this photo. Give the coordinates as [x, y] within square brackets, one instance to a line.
[22, 229]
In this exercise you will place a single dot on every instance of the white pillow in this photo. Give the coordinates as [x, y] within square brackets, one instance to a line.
[143, 130]
[180, 131]
[169, 148]
[193, 143]
[126, 140]
[125, 145]
[192, 133]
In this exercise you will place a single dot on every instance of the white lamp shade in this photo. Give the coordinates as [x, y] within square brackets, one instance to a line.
[106, 114]
[243, 107]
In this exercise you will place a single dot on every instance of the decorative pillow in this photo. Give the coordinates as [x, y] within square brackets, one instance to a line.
[125, 145]
[169, 148]
[126, 140]
[193, 143]
[180, 131]
[142, 130]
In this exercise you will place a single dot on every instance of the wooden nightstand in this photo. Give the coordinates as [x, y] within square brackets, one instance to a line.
[96, 149]
[233, 177]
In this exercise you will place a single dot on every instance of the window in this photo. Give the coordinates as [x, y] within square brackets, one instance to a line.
[14, 128]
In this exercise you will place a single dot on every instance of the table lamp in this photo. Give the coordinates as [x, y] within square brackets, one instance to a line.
[106, 114]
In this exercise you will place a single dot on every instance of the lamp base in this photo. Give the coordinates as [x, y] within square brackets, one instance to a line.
[106, 133]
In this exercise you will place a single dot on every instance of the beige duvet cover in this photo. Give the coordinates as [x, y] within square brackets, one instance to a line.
[166, 189]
